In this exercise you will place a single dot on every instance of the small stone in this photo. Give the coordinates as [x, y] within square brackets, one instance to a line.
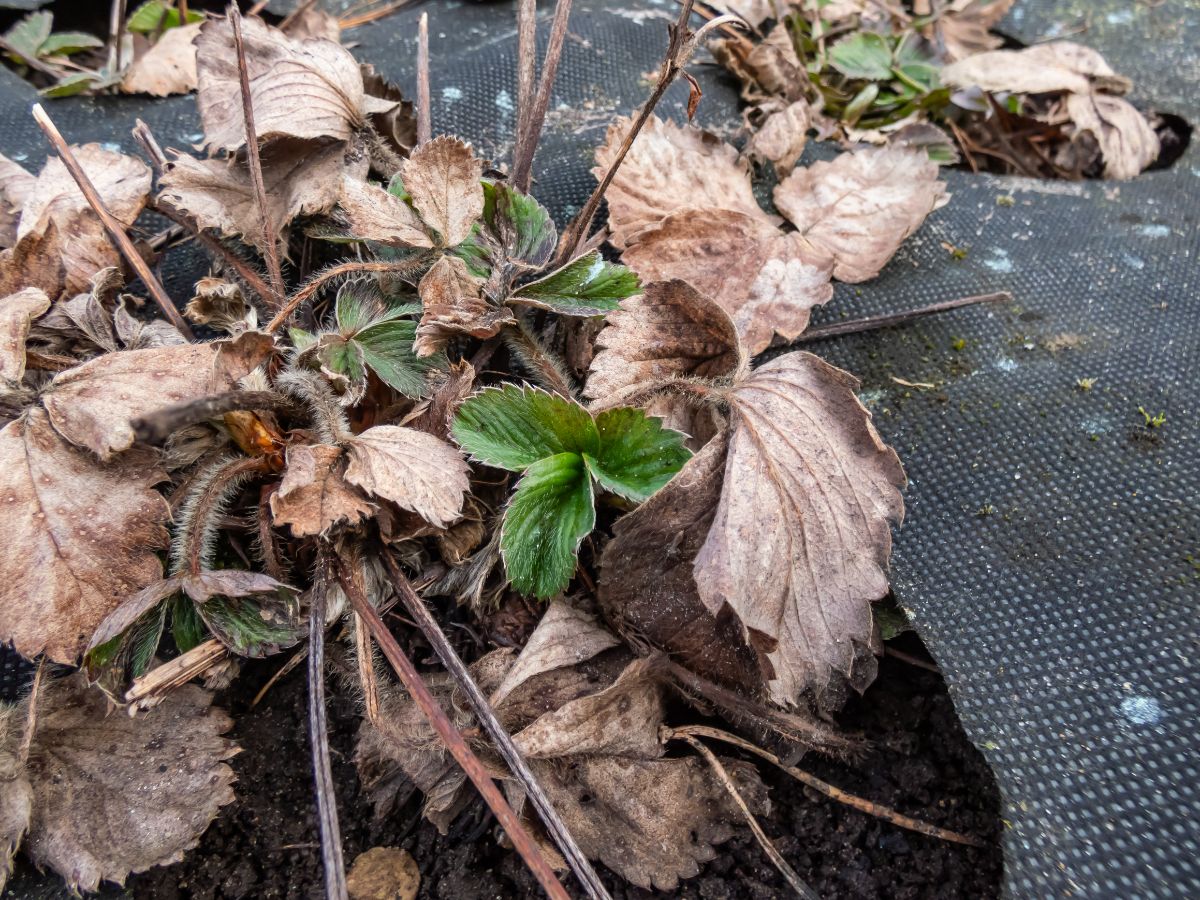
[384, 873]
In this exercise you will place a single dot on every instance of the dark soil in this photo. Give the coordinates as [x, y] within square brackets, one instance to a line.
[921, 763]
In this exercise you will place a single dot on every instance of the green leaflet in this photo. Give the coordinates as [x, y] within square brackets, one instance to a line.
[147, 17]
[521, 225]
[588, 286]
[564, 453]
[64, 43]
[254, 626]
[187, 627]
[27, 36]
[637, 455]
[550, 514]
[387, 349]
[512, 428]
[862, 55]
[115, 663]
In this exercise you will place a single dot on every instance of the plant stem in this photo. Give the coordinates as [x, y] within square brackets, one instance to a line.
[320, 280]
[854, 326]
[671, 66]
[35, 691]
[318, 732]
[424, 115]
[270, 236]
[156, 427]
[158, 682]
[541, 364]
[454, 741]
[527, 140]
[500, 737]
[526, 73]
[116, 231]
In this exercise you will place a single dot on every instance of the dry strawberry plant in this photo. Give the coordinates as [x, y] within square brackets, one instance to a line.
[404, 384]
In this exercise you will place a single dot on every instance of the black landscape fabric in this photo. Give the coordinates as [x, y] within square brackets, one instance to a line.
[1051, 554]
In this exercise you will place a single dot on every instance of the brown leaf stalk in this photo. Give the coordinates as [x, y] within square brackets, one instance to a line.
[424, 114]
[541, 363]
[678, 49]
[500, 737]
[690, 732]
[318, 733]
[527, 139]
[156, 427]
[526, 71]
[789, 874]
[871, 323]
[453, 740]
[116, 231]
[270, 238]
[322, 278]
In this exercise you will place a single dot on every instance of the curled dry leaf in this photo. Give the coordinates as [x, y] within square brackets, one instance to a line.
[443, 179]
[83, 536]
[755, 12]
[964, 26]
[15, 186]
[168, 67]
[123, 183]
[1041, 69]
[781, 136]
[301, 178]
[450, 387]
[17, 312]
[453, 303]
[286, 75]
[1127, 142]
[858, 208]
[373, 214]
[313, 496]
[113, 794]
[669, 168]
[34, 261]
[414, 470]
[803, 445]
[16, 798]
[93, 404]
[767, 280]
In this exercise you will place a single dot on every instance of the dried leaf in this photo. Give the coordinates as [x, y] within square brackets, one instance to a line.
[443, 179]
[414, 470]
[565, 636]
[858, 208]
[169, 67]
[803, 446]
[672, 331]
[286, 76]
[370, 213]
[123, 182]
[671, 168]
[17, 312]
[1041, 69]
[310, 21]
[93, 404]
[1127, 142]
[398, 125]
[453, 304]
[965, 26]
[450, 388]
[34, 262]
[83, 536]
[781, 136]
[16, 801]
[16, 184]
[313, 496]
[755, 12]
[384, 873]
[301, 178]
[114, 794]
[221, 305]
[766, 280]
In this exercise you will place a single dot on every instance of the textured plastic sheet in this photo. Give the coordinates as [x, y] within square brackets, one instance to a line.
[1051, 550]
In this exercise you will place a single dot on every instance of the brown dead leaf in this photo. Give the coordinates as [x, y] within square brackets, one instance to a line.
[443, 179]
[114, 794]
[647, 588]
[222, 305]
[16, 184]
[754, 12]
[804, 447]
[313, 495]
[287, 76]
[767, 68]
[123, 182]
[1127, 142]
[449, 388]
[397, 126]
[672, 168]
[35, 261]
[93, 404]
[169, 67]
[301, 178]
[453, 303]
[1041, 69]
[370, 213]
[669, 331]
[781, 136]
[384, 873]
[858, 208]
[310, 21]
[964, 26]
[16, 796]
[17, 312]
[82, 536]
[565, 636]
[767, 281]
[414, 470]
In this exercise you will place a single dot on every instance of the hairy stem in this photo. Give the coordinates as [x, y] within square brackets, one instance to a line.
[541, 363]
[318, 281]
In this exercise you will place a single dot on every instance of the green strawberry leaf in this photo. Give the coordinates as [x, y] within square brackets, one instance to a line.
[588, 286]
[147, 17]
[522, 226]
[187, 627]
[255, 625]
[512, 427]
[71, 85]
[863, 55]
[30, 33]
[342, 357]
[637, 455]
[115, 663]
[551, 512]
[301, 339]
[64, 43]
[387, 349]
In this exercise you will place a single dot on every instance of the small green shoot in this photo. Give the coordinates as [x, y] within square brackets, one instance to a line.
[1006, 200]
[958, 345]
[1157, 421]
[564, 455]
[1085, 384]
